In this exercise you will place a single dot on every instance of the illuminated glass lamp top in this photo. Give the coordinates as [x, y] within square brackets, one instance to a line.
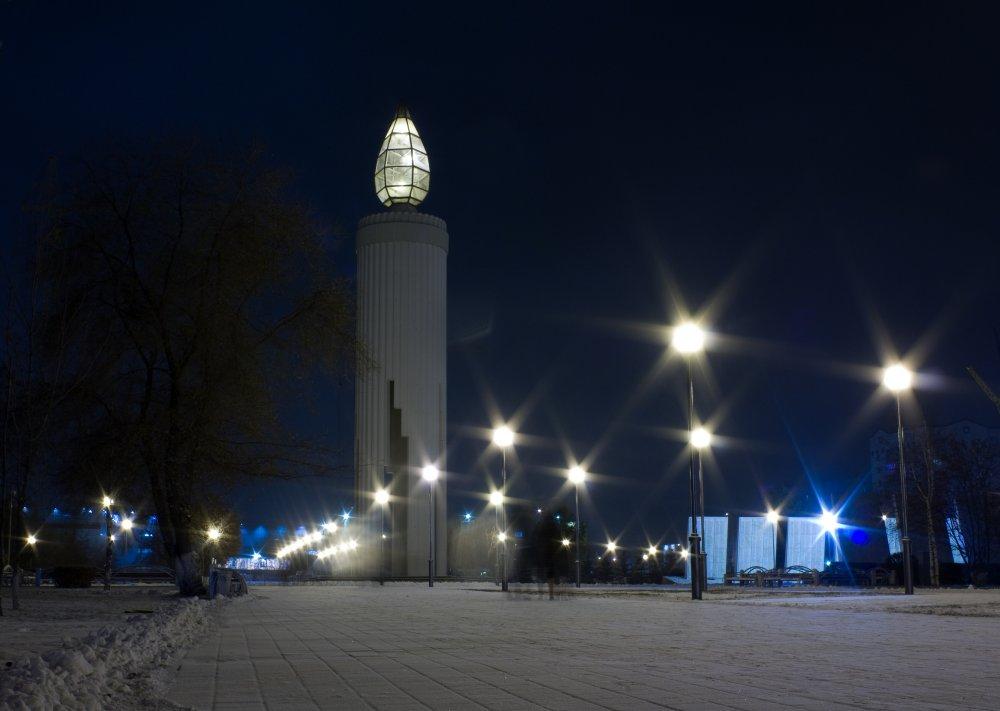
[402, 170]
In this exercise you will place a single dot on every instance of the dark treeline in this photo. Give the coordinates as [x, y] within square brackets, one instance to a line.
[163, 307]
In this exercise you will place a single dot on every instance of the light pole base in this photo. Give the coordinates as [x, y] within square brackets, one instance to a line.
[907, 568]
[430, 573]
[694, 555]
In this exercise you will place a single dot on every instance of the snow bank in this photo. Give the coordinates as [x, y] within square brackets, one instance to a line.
[106, 667]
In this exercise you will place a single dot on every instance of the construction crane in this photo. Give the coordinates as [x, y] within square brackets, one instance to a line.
[983, 386]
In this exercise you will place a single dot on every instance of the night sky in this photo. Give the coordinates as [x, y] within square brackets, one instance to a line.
[817, 181]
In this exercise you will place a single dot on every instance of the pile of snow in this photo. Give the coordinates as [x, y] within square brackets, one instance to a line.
[107, 666]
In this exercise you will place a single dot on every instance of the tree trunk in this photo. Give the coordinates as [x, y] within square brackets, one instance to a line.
[932, 546]
[187, 575]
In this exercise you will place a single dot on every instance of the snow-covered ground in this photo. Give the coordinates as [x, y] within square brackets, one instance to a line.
[48, 614]
[91, 649]
[470, 646]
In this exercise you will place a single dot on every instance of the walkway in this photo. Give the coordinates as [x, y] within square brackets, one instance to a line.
[406, 646]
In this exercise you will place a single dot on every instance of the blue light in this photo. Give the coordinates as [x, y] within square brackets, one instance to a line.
[467, 517]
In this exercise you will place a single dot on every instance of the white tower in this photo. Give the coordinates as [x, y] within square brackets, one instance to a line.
[401, 398]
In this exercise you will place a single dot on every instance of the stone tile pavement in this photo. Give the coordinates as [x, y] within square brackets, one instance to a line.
[405, 646]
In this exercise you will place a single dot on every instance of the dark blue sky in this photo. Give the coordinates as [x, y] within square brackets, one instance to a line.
[817, 164]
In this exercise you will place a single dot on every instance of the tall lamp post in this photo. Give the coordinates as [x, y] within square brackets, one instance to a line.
[702, 439]
[503, 437]
[214, 535]
[772, 518]
[577, 476]
[382, 499]
[126, 526]
[496, 499]
[430, 474]
[688, 339]
[898, 378]
[107, 501]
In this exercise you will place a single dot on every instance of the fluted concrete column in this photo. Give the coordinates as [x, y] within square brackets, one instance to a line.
[400, 402]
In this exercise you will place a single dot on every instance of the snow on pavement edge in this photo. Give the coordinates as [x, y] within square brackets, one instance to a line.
[107, 666]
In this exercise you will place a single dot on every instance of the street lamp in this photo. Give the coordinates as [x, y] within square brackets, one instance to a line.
[702, 439]
[503, 437]
[107, 501]
[382, 499]
[31, 540]
[214, 535]
[773, 518]
[688, 339]
[577, 476]
[898, 378]
[430, 474]
[828, 522]
[126, 526]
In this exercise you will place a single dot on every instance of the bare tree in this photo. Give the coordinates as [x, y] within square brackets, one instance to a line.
[221, 306]
[922, 475]
[41, 372]
[973, 480]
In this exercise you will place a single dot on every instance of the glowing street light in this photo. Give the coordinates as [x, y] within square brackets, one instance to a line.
[885, 518]
[501, 536]
[688, 339]
[899, 378]
[828, 522]
[652, 550]
[772, 518]
[700, 438]
[107, 502]
[565, 542]
[496, 498]
[214, 534]
[503, 437]
[611, 546]
[330, 526]
[645, 556]
[31, 539]
[126, 524]
[684, 553]
[577, 477]
[382, 499]
[430, 474]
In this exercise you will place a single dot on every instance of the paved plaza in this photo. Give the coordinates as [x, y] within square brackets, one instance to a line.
[453, 647]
